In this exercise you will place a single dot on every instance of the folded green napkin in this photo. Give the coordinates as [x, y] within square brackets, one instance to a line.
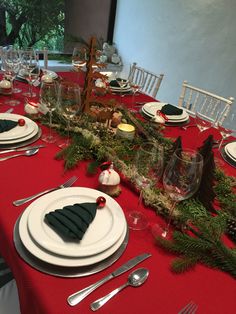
[114, 83]
[171, 110]
[72, 221]
[6, 125]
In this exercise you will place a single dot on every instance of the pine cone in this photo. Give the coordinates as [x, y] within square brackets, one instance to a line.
[231, 229]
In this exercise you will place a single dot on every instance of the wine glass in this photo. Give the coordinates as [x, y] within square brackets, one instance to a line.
[69, 104]
[226, 127]
[48, 99]
[122, 81]
[203, 122]
[79, 58]
[31, 69]
[181, 180]
[11, 66]
[136, 84]
[148, 171]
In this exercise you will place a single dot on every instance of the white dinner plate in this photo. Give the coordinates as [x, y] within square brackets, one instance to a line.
[60, 260]
[70, 272]
[103, 232]
[230, 150]
[169, 120]
[22, 139]
[151, 108]
[18, 131]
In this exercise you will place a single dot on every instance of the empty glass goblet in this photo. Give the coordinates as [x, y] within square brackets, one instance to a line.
[148, 171]
[69, 104]
[48, 98]
[226, 127]
[181, 180]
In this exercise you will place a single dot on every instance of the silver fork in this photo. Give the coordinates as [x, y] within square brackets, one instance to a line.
[67, 184]
[190, 308]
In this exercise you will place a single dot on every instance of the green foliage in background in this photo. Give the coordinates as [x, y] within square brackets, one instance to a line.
[35, 23]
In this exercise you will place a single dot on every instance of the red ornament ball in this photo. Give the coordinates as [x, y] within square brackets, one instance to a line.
[101, 201]
[21, 122]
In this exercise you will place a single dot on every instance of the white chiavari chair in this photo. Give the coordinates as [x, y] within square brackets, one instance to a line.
[9, 300]
[194, 99]
[151, 82]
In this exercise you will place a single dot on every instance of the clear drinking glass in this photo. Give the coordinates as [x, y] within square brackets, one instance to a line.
[79, 58]
[30, 69]
[69, 104]
[48, 98]
[11, 65]
[226, 127]
[149, 168]
[136, 85]
[181, 180]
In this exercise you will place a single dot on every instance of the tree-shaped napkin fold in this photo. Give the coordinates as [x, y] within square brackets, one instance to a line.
[72, 221]
[171, 110]
[6, 125]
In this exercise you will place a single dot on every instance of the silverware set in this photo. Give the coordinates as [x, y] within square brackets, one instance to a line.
[135, 279]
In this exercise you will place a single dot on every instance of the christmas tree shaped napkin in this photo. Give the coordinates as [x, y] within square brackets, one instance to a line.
[72, 221]
[6, 125]
[171, 110]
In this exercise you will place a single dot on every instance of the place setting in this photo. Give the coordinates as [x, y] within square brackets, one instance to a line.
[228, 152]
[17, 131]
[164, 113]
[77, 232]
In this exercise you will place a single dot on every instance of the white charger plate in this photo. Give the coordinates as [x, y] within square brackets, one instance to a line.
[102, 233]
[60, 260]
[151, 108]
[230, 150]
[18, 131]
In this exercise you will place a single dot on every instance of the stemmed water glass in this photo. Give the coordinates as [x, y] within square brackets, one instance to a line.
[48, 99]
[79, 58]
[11, 66]
[181, 180]
[69, 104]
[148, 171]
[122, 81]
[226, 127]
[136, 85]
[31, 69]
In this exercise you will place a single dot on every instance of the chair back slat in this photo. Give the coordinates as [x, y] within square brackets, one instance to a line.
[151, 81]
[194, 99]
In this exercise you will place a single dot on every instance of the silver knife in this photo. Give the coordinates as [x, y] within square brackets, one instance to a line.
[78, 296]
[20, 149]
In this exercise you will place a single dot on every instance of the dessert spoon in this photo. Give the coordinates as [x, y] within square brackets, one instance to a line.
[135, 279]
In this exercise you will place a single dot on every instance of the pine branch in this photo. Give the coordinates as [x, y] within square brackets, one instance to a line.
[180, 265]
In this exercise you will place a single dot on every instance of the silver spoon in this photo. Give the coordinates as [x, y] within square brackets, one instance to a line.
[28, 153]
[135, 279]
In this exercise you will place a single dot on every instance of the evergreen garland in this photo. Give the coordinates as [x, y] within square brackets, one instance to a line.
[198, 234]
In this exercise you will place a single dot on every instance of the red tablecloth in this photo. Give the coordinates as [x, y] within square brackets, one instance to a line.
[164, 292]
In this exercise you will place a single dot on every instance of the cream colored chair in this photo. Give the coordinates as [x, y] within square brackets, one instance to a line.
[9, 299]
[194, 99]
[151, 81]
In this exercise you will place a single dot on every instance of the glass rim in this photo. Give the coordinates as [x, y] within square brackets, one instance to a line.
[199, 157]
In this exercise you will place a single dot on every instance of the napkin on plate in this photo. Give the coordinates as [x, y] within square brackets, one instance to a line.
[72, 221]
[171, 110]
[6, 125]
[114, 83]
